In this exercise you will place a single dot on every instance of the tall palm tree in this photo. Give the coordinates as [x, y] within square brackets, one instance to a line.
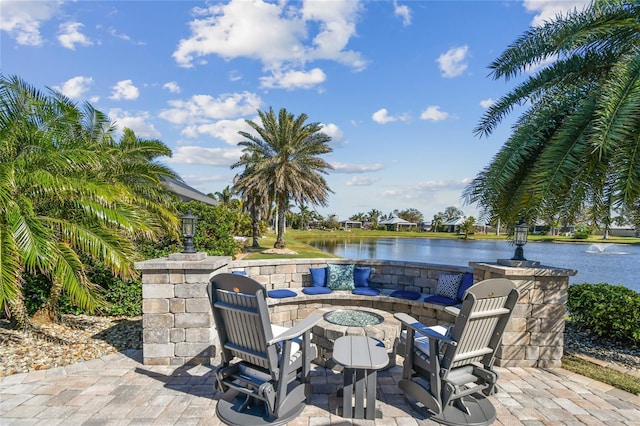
[579, 141]
[374, 217]
[56, 204]
[255, 195]
[225, 196]
[284, 157]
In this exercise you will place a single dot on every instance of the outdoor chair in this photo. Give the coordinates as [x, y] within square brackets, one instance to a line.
[264, 368]
[448, 370]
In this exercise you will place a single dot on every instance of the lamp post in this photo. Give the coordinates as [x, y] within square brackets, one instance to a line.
[520, 239]
[188, 231]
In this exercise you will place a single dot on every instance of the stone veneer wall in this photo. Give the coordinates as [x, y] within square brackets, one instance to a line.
[178, 325]
[535, 335]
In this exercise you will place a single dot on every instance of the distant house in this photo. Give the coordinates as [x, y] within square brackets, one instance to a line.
[395, 223]
[187, 193]
[454, 225]
[350, 224]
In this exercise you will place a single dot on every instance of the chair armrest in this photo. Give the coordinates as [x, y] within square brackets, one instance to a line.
[418, 327]
[298, 329]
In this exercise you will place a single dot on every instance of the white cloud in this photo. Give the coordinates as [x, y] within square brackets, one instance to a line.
[486, 103]
[356, 168]
[69, 35]
[22, 19]
[548, 9]
[283, 36]
[75, 87]
[294, 79]
[421, 190]
[453, 62]
[362, 181]
[226, 130]
[172, 86]
[334, 132]
[125, 89]
[433, 113]
[204, 108]
[402, 11]
[139, 123]
[382, 116]
[219, 157]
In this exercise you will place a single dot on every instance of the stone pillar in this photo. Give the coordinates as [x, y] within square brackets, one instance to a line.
[176, 317]
[535, 335]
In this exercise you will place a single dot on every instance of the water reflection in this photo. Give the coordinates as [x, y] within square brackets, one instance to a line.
[612, 263]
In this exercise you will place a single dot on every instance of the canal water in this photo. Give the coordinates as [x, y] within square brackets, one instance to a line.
[595, 263]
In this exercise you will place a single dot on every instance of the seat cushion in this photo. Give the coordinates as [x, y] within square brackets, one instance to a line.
[340, 277]
[316, 290]
[318, 276]
[361, 276]
[441, 300]
[281, 293]
[421, 341]
[448, 285]
[243, 273]
[366, 291]
[409, 295]
[467, 281]
[277, 330]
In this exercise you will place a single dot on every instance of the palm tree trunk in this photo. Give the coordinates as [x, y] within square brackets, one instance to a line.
[49, 311]
[255, 226]
[19, 314]
[282, 205]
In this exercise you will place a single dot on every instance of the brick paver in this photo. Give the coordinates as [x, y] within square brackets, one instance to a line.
[119, 390]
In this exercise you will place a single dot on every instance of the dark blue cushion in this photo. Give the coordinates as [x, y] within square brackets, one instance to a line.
[441, 300]
[316, 290]
[366, 291]
[281, 293]
[409, 295]
[361, 276]
[467, 281]
[318, 276]
[243, 273]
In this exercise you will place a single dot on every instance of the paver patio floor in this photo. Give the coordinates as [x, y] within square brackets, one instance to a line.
[118, 390]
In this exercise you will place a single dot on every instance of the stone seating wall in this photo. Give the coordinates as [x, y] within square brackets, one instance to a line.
[178, 325]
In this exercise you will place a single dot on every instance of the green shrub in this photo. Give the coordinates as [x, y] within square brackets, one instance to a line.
[580, 235]
[606, 310]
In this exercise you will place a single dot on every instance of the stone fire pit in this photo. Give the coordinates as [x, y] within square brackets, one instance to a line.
[368, 322]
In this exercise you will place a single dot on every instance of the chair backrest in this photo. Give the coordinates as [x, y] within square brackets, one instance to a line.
[242, 320]
[485, 311]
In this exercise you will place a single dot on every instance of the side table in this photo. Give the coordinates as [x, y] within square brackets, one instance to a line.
[361, 358]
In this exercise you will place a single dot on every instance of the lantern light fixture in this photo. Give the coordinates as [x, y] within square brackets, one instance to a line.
[520, 232]
[188, 231]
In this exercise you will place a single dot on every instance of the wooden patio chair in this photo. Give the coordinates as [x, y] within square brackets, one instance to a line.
[264, 367]
[448, 370]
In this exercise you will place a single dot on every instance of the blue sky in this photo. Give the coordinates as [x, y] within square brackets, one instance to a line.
[398, 85]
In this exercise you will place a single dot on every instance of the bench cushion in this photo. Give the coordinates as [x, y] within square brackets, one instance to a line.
[467, 281]
[366, 291]
[409, 295]
[316, 290]
[281, 293]
[441, 300]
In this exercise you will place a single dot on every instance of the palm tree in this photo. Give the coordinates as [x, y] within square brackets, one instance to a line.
[374, 217]
[578, 142]
[225, 196]
[56, 204]
[283, 158]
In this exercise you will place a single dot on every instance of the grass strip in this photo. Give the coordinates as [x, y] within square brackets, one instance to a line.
[611, 377]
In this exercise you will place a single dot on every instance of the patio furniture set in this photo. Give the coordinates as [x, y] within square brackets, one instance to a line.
[447, 370]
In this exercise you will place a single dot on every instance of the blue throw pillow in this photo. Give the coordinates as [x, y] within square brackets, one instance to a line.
[340, 277]
[467, 281]
[316, 290]
[243, 273]
[318, 276]
[441, 300]
[281, 293]
[409, 295]
[448, 285]
[366, 291]
[361, 276]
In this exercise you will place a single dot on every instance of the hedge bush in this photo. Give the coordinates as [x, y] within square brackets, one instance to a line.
[606, 310]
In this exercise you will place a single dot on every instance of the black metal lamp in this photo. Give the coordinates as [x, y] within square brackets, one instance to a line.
[520, 239]
[188, 231]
